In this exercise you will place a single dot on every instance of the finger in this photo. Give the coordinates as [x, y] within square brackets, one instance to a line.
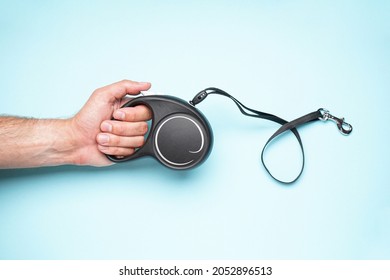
[133, 114]
[112, 140]
[116, 151]
[124, 128]
[118, 90]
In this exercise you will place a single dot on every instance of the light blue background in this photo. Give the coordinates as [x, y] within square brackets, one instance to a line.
[284, 57]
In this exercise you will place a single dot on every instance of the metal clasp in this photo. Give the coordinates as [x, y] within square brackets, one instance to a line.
[344, 127]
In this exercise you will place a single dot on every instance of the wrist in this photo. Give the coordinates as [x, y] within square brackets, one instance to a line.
[55, 142]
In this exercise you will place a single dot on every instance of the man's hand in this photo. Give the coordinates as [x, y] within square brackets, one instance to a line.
[79, 140]
[118, 137]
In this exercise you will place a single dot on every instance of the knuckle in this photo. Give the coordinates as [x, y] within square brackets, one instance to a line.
[120, 128]
[98, 92]
[131, 115]
[126, 81]
[114, 141]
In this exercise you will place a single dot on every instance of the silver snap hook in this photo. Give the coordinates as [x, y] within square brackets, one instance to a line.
[344, 127]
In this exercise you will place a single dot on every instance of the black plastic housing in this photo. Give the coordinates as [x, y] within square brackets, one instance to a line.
[180, 137]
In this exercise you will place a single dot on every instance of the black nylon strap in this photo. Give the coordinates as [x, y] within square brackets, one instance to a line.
[286, 126]
[291, 126]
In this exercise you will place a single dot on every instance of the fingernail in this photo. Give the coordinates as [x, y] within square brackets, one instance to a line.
[143, 83]
[106, 126]
[103, 139]
[119, 115]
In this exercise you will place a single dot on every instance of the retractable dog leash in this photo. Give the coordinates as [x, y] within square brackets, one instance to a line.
[180, 136]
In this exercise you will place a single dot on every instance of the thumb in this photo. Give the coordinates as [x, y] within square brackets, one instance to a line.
[118, 90]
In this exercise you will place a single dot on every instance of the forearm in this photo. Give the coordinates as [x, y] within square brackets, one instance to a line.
[33, 142]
